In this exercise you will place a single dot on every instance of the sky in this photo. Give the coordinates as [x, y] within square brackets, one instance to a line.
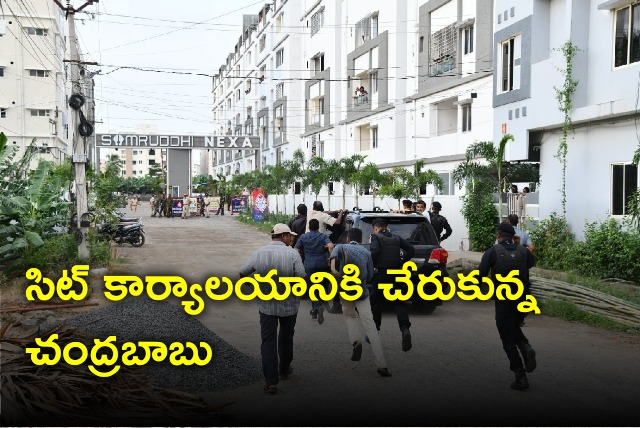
[187, 36]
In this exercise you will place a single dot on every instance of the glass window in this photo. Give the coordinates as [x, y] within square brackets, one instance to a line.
[624, 182]
[466, 117]
[317, 21]
[468, 40]
[627, 35]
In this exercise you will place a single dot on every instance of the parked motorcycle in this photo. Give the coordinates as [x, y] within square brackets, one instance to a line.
[124, 234]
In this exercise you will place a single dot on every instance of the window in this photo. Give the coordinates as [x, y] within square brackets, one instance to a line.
[249, 112]
[374, 138]
[3, 113]
[317, 21]
[152, 161]
[279, 90]
[1, 71]
[442, 54]
[468, 40]
[623, 183]
[37, 31]
[447, 189]
[238, 95]
[318, 64]
[627, 33]
[279, 21]
[421, 44]
[509, 64]
[279, 155]
[279, 57]
[466, 117]
[373, 84]
[366, 30]
[39, 112]
[262, 42]
[39, 73]
[297, 188]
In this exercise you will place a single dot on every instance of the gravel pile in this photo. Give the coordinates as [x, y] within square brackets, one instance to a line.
[144, 319]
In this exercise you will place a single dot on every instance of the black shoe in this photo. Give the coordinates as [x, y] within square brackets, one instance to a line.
[521, 382]
[357, 351]
[528, 355]
[406, 340]
[314, 314]
[285, 375]
[384, 372]
[320, 315]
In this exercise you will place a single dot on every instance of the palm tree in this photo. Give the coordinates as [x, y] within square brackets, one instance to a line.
[349, 167]
[313, 174]
[499, 160]
[275, 180]
[113, 166]
[423, 178]
[399, 183]
[299, 160]
[368, 177]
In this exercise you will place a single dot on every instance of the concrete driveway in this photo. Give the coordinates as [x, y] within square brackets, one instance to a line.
[456, 373]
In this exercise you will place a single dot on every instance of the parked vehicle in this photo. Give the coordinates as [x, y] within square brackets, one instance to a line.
[124, 233]
[416, 229]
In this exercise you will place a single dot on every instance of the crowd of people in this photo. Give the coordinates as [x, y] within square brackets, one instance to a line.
[303, 248]
[163, 205]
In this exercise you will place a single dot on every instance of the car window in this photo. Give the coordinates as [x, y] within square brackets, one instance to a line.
[414, 229]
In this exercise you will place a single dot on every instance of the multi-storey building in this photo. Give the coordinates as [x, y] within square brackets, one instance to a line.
[35, 80]
[528, 40]
[256, 93]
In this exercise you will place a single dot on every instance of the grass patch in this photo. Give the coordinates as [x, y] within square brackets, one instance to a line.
[570, 312]
[266, 225]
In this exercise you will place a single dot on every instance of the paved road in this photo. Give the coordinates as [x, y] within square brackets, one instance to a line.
[456, 373]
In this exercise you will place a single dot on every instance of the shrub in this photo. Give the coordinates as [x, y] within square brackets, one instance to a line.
[480, 216]
[99, 250]
[57, 252]
[554, 243]
[608, 251]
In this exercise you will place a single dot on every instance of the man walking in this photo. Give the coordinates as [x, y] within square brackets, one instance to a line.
[221, 207]
[280, 256]
[385, 250]
[439, 222]
[501, 259]
[521, 237]
[354, 253]
[313, 245]
[299, 224]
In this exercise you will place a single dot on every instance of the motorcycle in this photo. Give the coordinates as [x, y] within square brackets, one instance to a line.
[124, 234]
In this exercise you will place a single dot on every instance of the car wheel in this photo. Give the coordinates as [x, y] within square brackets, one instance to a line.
[137, 240]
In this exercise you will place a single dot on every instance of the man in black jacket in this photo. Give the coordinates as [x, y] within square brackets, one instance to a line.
[385, 250]
[439, 222]
[502, 258]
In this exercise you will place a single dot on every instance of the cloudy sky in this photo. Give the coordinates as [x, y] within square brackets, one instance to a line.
[165, 38]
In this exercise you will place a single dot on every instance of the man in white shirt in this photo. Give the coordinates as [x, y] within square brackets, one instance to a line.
[324, 217]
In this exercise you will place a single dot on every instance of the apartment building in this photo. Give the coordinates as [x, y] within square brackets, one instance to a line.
[256, 91]
[528, 37]
[34, 79]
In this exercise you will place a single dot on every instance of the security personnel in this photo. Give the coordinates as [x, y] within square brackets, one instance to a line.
[439, 222]
[153, 203]
[169, 212]
[162, 206]
[186, 202]
[502, 258]
[385, 250]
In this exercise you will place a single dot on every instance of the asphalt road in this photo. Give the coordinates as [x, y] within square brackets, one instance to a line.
[456, 373]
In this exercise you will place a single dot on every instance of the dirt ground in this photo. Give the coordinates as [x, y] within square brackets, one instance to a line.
[456, 373]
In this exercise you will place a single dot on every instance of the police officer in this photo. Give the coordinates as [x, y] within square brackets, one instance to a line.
[186, 203]
[439, 222]
[169, 212]
[503, 258]
[162, 206]
[385, 250]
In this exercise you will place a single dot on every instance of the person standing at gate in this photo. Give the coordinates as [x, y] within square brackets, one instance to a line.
[162, 206]
[223, 200]
[153, 204]
[169, 212]
[503, 258]
[186, 202]
[207, 203]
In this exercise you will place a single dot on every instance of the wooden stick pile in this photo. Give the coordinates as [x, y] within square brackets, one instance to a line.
[589, 300]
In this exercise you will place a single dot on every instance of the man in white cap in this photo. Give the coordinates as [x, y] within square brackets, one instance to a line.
[280, 256]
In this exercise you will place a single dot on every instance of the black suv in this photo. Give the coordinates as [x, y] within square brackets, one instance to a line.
[416, 229]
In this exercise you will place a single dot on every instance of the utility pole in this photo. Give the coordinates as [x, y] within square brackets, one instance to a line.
[80, 157]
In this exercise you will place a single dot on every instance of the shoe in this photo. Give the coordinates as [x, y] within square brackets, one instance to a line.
[406, 340]
[314, 314]
[521, 382]
[320, 315]
[384, 372]
[528, 355]
[285, 376]
[271, 389]
[357, 352]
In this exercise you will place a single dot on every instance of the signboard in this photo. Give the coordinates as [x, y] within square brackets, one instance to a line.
[177, 208]
[237, 204]
[260, 204]
[144, 141]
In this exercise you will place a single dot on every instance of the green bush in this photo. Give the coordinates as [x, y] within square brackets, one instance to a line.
[480, 216]
[99, 250]
[608, 251]
[57, 252]
[554, 243]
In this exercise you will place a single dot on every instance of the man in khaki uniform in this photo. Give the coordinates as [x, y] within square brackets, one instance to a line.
[186, 202]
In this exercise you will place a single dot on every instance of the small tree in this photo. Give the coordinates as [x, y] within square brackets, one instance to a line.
[299, 163]
[399, 183]
[349, 168]
[368, 177]
[314, 174]
[424, 178]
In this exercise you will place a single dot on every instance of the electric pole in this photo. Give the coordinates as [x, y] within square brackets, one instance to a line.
[80, 157]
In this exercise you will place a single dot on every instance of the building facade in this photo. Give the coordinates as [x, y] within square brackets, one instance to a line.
[528, 41]
[35, 82]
